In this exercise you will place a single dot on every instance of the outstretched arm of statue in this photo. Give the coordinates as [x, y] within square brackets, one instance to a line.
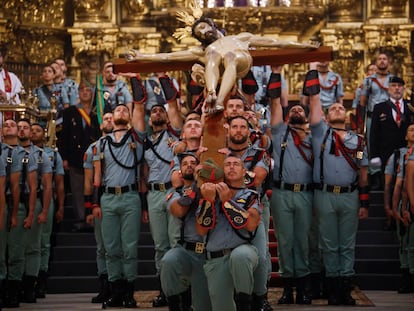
[192, 54]
[259, 41]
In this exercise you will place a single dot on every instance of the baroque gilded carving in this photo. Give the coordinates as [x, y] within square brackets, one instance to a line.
[388, 8]
[91, 10]
[135, 11]
[36, 31]
[345, 10]
[35, 12]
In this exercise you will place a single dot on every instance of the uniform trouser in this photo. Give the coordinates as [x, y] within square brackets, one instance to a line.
[338, 224]
[180, 269]
[163, 226]
[15, 244]
[410, 248]
[266, 222]
[121, 224]
[45, 238]
[292, 215]
[403, 251]
[100, 248]
[32, 246]
[3, 247]
[231, 273]
[261, 272]
[76, 177]
[371, 169]
[315, 256]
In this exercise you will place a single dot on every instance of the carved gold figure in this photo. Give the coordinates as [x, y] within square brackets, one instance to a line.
[226, 58]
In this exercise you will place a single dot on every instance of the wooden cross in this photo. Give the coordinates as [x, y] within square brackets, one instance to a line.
[214, 134]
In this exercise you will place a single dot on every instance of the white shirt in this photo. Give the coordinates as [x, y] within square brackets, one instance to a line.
[16, 86]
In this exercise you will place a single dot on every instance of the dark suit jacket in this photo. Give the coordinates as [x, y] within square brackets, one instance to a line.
[385, 135]
[75, 138]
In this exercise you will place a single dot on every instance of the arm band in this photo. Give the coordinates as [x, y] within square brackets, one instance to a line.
[139, 94]
[169, 89]
[274, 86]
[249, 84]
[311, 85]
[364, 196]
[87, 203]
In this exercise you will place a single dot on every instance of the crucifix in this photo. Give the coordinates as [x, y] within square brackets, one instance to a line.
[225, 59]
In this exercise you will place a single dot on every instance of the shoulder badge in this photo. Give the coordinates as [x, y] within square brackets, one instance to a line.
[266, 158]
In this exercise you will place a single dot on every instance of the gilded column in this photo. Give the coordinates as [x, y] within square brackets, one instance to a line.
[94, 36]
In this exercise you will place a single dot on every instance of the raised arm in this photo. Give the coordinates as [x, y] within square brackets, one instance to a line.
[274, 89]
[259, 41]
[187, 55]
[311, 89]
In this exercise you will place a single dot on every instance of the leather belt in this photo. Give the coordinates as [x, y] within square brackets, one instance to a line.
[120, 190]
[293, 187]
[196, 247]
[336, 189]
[160, 187]
[218, 254]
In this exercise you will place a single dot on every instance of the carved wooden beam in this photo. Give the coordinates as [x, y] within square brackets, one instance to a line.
[260, 57]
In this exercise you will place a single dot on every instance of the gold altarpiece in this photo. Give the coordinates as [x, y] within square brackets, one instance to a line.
[87, 32]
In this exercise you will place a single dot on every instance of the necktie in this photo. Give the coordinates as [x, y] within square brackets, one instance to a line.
[398, 117]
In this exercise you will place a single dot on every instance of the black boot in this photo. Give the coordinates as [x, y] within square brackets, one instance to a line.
[129, 301]
[243, 302]
[12, 296]
[405, 282]
[41, 287]
[104, 290]
[116, 299]
[29, 293]
[260, 303]
[287, 296]
[316, 291]
[180, 302]
[334, 297]
[346, 289]
[2, 290]
[160, 300]
[303, 296]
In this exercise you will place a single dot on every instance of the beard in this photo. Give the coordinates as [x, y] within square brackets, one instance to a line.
[111, 81]
[108, 130]
[188, 176]
[121, 122]
[210, 37]
[159, 122]
[337, 121]
[297, 120]
[23, 139]
[238, 141]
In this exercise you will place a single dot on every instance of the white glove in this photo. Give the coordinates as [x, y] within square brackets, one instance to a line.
[376, 162]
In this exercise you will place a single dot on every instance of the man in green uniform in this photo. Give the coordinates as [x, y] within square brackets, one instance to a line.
[44, 195]
[341, 194]
[229, 213]
[120, 154]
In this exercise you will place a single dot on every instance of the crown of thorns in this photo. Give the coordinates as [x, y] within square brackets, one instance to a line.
[188, 19]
